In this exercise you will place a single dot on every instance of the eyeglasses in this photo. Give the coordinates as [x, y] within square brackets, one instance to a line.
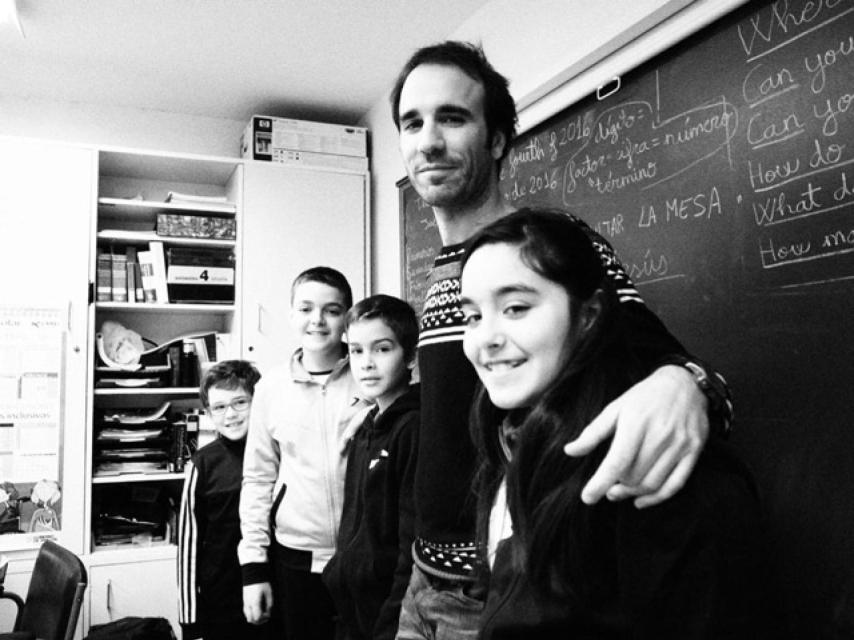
[238, 404]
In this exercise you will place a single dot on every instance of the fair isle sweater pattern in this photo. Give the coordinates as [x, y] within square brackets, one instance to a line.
[442, 317]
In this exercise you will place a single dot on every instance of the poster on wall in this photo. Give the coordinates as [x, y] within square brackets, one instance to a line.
[31, 397]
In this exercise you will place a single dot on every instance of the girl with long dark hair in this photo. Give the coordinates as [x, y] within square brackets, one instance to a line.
[544, 331]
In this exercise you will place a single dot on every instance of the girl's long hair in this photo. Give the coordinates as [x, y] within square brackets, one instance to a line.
[552, 527]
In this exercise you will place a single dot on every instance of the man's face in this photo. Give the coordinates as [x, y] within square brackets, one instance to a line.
[443, 136]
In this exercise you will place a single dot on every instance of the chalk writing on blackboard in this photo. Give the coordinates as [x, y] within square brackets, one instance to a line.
[722, 172]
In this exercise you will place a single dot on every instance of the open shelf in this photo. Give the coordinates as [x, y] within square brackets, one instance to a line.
[169, 307]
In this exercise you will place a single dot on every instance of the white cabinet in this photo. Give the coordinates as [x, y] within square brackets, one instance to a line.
[145, 589]
[294, 219]
[46, 205]
[133, 479]
[60, 204]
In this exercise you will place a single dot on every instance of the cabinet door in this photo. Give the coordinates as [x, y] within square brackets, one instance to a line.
[145, 589]
[294, 219]
[46, 204]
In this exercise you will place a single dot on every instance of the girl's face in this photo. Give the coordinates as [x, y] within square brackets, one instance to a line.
[518, 326]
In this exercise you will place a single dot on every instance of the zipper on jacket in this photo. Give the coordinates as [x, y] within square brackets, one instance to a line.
[331, 475]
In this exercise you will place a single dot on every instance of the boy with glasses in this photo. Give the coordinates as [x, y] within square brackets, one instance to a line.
[210, 589]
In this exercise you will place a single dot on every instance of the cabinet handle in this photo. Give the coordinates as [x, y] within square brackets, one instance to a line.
[109, 595]
[260, 311]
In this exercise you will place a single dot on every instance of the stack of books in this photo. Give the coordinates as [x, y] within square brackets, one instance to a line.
[129, 274]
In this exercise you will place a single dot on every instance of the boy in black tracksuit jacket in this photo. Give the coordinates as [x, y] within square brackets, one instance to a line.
[370, 571]
[210, 592]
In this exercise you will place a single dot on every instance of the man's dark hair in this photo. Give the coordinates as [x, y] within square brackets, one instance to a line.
[397, 314]
[231, 375]
[328, 276]
[498, 107]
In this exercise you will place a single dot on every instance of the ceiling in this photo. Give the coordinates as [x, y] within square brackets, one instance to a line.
[327, 60]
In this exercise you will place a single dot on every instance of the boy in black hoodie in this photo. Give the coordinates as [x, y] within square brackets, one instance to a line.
[370, 570]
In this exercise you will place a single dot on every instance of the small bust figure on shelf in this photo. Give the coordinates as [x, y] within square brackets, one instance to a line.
[45, 495]
[121, 346]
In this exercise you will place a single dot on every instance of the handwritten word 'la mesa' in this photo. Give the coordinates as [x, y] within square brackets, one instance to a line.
[779, 22]
[698, 206]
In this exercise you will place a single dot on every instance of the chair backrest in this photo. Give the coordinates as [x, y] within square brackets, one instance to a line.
[55, 596]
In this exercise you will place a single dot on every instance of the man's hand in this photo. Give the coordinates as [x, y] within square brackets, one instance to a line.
[257, 602]
[659, 426]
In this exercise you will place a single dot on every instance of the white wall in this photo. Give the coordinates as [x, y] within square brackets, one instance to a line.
[81, 123]
[540, 47]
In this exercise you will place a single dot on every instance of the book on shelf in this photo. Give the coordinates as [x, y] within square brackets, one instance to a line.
[179, 451]
[104, 276]
[175, 360]
[131, 280]
[120, 276]
[189, 364]
[146, 273]
[135, 292]
[158, 260]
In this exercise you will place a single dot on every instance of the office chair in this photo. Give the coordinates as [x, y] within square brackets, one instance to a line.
[54, 597]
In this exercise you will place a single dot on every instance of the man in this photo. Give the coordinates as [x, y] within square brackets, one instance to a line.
[456, 120]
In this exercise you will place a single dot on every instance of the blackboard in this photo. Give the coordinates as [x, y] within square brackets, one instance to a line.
[722, 171]
[419, 243]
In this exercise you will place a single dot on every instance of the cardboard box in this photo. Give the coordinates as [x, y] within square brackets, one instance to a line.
[265, 135]
[200, 275]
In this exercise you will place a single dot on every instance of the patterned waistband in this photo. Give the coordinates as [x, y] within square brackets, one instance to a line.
[449, 561]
